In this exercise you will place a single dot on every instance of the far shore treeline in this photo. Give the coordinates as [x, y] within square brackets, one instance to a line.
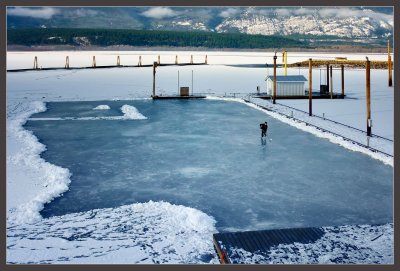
[112, 37]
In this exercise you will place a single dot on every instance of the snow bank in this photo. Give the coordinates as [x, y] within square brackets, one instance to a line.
[130, 112]
[359, 244]
[48, 181]
[102, 107]
[302, 126]
[152, 232]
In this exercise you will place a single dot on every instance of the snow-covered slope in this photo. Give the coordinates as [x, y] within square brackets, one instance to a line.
[361, 23]
[337, 21]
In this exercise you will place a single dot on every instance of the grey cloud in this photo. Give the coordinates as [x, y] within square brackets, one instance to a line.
[40, 13]
[283, 12]
[159, 12]
[86, 12]
[229, 12]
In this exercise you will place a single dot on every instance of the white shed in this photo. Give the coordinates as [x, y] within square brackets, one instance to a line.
[289, 85]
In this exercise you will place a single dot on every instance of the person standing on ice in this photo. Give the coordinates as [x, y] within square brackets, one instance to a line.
[264, 127]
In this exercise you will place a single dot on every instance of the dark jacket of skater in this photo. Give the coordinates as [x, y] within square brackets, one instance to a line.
[264, 128]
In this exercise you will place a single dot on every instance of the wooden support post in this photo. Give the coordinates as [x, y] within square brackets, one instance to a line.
[390, 71]
[154, 78]
[274, 95]
[191, 59]
[67, 62]
[205, 61]
[159, 61]
[310, 87]
[342, 67]
[176, 60]
[368, 94]
[330, 84]
[285, 62]
[118, 61]
[389, 65]
[327, 75]
[94, 62]
[140, 61]
[35, 63]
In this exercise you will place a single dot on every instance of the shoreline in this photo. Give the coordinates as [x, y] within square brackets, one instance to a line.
[335, 49]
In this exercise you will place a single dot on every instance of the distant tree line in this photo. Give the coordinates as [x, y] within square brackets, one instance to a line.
[109, 37]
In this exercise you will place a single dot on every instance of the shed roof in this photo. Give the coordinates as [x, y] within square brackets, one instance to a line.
[288, 78]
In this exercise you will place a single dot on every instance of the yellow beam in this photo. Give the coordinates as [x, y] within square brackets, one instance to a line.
[284, 60]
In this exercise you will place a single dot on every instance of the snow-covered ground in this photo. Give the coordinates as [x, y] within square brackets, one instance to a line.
[25, 60]
[153, 232]
[157, 232]
[354, 244]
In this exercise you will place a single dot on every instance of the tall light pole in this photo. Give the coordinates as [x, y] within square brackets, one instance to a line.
[310, 87]
[331, 83]
[368, 90]
[342, 68]
[274, 95]
[154, 78]
[389, 65]
[178, 83]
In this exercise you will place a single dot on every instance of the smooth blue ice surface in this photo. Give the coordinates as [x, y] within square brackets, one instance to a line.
[209, 155]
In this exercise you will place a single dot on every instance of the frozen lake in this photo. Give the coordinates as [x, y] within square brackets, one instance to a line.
[208, 155]
[202, 154]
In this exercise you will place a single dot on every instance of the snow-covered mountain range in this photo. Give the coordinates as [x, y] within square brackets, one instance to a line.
[350, 22]
[363, 23]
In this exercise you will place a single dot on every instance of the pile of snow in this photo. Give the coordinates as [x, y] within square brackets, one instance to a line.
[46, 181]
[152, 232]
[130, 112]
[359, 244]
[102, 107]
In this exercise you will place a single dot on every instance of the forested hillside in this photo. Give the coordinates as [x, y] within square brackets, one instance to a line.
[110, 37]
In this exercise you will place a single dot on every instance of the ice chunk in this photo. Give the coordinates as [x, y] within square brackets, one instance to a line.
[102, 107]
[130, 112]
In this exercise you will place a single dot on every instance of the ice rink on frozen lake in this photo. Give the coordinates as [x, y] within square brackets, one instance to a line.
[208, 155]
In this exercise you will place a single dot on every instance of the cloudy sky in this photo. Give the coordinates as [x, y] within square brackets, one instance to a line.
[168, 12]
[39, 13]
